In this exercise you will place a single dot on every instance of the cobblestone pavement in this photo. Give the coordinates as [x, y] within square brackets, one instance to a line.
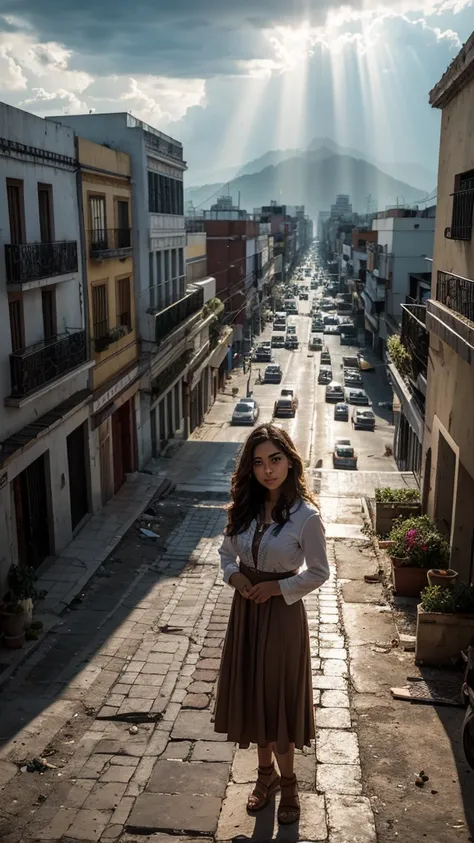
[131, 736]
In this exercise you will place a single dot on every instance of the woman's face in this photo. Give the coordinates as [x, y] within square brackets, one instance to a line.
[270, 465]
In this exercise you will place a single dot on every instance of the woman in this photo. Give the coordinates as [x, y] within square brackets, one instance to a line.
[265, 691]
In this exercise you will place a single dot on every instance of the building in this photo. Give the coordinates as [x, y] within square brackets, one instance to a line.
[448, 451]
[404, 242]
[107, 216]
[44, 348]
[224, 209]
[170, 321]
[342, 208]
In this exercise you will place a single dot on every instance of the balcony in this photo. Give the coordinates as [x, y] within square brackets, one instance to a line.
[31, 262]
[38, 365]
[463, 206]
[110, 243]
[451, 315]
[415, 338]
[457, 293]
[173, 316]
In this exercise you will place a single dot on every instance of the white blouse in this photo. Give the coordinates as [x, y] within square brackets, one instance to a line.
[300, 540]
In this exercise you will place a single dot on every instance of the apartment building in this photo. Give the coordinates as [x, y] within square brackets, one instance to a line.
[106, 200]
[44, 350]
[170, 320]
[448, 447]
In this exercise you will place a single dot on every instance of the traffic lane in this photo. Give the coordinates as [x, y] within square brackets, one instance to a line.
[300, 376]
[369, 445]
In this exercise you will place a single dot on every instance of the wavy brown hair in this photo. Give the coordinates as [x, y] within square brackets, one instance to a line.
[248, 495]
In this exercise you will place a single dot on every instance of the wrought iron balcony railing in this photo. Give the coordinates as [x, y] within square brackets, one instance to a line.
[415, 337]
[34, 261]
[457, 293]
[110, 242]
[169, 319]
[39, 364]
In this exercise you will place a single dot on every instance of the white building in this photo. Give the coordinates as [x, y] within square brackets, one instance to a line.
[44, 351]
[169, 315]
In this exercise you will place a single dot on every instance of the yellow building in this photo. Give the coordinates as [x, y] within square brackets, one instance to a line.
[448, 446]
[107, 207]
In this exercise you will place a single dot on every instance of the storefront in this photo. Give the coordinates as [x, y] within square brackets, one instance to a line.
[167, 405]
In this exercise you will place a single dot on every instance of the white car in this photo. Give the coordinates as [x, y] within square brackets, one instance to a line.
[245, 413]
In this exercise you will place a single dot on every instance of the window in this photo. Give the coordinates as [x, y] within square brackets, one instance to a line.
[174, 274]
[17, 329]
[16, 211]
[98, 222]
[45, 208]
[100, 311]
[123, 225]
[182, 279]
[151, 278]
[463, 207]
[124, 312]
[48, 306]
[165, 195]
[159, 282]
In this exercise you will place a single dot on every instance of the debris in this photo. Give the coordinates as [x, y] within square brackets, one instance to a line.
[372, 578]
[407, 642]
[429, 691]
[133, 730]
[38, 765]
[149, 534]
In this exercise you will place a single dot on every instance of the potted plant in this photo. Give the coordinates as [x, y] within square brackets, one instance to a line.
[445, 623]
[391, 504]
[443, 577]
[16, 612]
[416, 547]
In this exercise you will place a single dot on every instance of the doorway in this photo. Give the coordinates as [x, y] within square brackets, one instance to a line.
[31, 513]
[445, 471]
[76, 459]
[123, 442]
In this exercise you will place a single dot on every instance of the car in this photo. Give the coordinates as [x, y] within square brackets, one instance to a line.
[344, 456]
[291, 329]
[324, 375]
[315, 343]
[325, 357]
[278, 341]
[363, 420]
[352, 377]
[357, 396]
[244, 413]
[364, 364]
[303, 296]
[263, 354]
[289, 392]
[284, 408]
[317, 326]
[331, 329]
[334, 392]
[291, 341]
[272, 374]
[330, 320]
[341, 412]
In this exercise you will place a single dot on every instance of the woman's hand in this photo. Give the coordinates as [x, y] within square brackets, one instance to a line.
[262, 592]
[241, 583]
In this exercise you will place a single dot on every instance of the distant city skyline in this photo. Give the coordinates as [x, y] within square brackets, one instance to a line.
[229, 85]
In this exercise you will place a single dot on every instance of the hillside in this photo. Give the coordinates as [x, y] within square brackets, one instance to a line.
[313, 181]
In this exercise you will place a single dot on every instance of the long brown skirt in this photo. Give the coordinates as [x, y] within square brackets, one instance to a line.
[265, 690]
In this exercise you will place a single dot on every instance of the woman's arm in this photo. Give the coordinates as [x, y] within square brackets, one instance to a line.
[228, 554]
[313, 544]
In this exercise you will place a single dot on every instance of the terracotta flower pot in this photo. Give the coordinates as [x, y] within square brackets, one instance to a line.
[13, 623]
[14, 642]
[407, 581]
[444, 578]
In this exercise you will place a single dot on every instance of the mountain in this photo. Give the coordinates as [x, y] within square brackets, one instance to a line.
[313, 179]
[269, 159]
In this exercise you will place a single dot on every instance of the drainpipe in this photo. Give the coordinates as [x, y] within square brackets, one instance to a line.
[82, 248]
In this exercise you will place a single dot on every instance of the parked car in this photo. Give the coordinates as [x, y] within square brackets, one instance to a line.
[263, 354]
[325, 357]
[303, 296]
[331, 329]
[324, 375]
[315, 343]
[273, 374]
[363, 420]
[357, 396]
[352, 377]
[344, 456]
[278, 341]
[341, 412]
[285, 407]
[334, 392]
[291, 329]
[244, 413]
[291, 341]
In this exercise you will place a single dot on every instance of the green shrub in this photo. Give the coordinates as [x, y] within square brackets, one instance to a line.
[459, 599]
[21, 582]
[399, 355]
[389, 495]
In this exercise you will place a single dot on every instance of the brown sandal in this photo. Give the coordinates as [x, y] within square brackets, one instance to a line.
[263, 791]
[289, 807]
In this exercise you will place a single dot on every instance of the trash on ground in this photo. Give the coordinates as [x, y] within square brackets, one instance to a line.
[149, 534]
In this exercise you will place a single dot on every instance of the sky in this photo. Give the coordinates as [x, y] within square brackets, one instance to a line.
[232, 79]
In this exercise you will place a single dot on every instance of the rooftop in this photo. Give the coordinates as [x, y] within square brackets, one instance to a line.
[458, 74]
